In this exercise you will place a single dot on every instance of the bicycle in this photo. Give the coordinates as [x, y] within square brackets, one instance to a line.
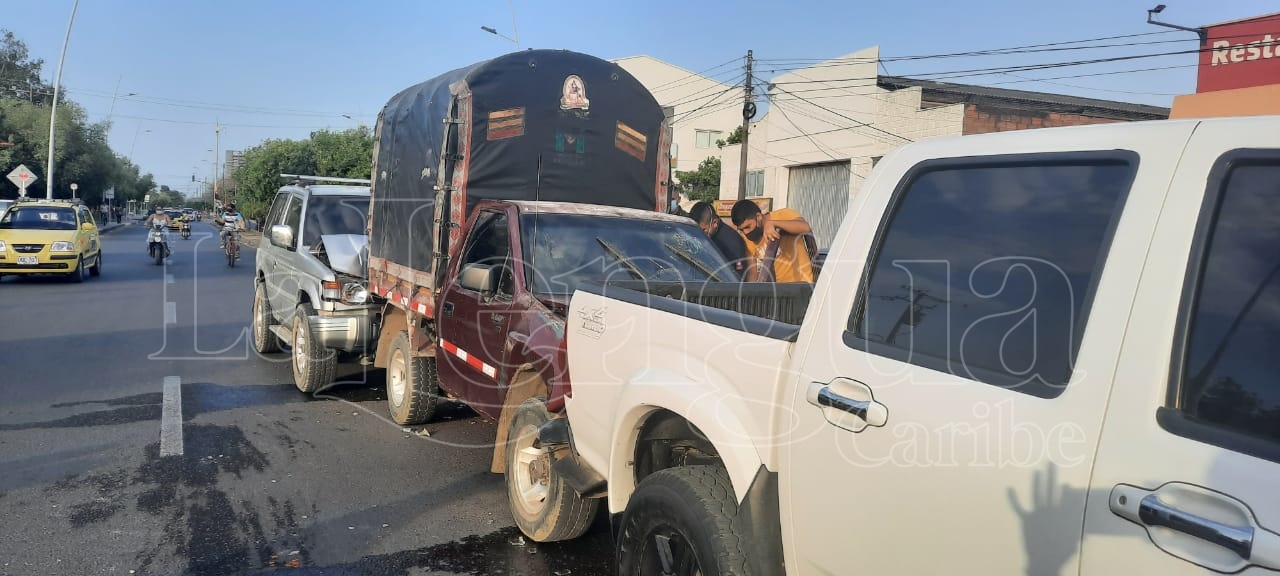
[232, 248]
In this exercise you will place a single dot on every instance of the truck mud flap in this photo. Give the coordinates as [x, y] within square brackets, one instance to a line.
[556, 437]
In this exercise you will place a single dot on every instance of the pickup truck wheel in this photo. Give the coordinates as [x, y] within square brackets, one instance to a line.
[312, 363]
[264, 341]
[544, 507]
[412, 384]
[682, 521]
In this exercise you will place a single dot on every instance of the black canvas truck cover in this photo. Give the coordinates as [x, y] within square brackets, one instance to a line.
[535, 125]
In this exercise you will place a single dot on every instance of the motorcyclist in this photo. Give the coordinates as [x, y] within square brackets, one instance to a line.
[232, 223]
[158, 218]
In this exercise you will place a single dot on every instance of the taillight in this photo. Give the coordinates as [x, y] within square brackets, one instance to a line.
[330, 290]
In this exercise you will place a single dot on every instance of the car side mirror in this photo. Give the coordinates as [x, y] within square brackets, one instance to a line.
[86, 226]
[282, 236]
[478, 277]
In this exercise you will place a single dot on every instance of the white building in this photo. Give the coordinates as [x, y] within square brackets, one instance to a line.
[702, 109]
[828, 124]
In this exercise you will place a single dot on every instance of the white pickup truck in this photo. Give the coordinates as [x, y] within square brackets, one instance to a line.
[1042, 352]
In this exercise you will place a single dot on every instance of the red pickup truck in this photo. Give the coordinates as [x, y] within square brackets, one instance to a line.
[497, 189]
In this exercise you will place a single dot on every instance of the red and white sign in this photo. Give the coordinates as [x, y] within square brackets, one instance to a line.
[1241, 54]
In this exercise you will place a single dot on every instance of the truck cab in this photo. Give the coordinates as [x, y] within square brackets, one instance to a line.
[1043, 352]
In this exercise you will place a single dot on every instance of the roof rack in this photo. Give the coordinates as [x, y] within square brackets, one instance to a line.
[297, 178]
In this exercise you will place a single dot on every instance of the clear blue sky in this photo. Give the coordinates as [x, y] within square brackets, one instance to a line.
[281, 68]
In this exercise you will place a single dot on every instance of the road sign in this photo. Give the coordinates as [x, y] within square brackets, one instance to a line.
[74, 186]
[111, 193]
[22, 177]
[146, 198]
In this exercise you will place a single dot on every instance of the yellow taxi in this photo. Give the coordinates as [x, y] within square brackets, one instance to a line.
[175, 219]
[50, 237]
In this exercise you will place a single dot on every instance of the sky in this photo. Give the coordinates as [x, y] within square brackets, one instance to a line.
[164, 72]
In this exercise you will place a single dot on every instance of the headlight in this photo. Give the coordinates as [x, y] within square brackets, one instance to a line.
[3, 247]
[63, 247]
[354, 293]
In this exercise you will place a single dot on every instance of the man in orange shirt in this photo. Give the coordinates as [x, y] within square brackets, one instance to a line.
[781, 230]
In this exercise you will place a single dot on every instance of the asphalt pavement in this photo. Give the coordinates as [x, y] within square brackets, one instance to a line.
[140, 434]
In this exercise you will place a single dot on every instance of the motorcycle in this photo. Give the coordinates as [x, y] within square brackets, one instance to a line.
[158, 243]
[186, 229]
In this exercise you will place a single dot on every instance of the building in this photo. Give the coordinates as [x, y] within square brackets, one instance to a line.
[828, 125]
[702, 110]
[234, 160]
[1240, 73]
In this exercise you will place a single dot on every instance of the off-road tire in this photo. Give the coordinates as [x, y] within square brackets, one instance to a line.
[562, 513]
[695, 507]
[414, 401]
[317, 362]
[264, 340]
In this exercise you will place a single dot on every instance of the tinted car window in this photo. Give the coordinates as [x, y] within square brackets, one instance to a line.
[983, 271]
[1231, 365]
[293, 214]
[274, 216]
[39, 218]
[564, 250]
[334, 215]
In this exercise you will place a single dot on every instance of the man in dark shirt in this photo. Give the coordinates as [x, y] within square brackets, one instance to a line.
[726, 239]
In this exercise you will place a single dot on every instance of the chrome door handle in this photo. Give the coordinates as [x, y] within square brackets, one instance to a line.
[850, 413]
[829, 399]
[1238, 539]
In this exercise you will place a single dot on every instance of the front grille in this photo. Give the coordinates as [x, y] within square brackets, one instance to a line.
[44, 266]
[28, 248]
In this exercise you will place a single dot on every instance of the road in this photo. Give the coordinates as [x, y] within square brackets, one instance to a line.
[256, 478]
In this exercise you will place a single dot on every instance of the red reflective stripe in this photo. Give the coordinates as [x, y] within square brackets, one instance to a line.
[471, 360]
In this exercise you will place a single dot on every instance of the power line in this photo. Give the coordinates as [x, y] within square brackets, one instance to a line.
[978, 52]
[694, 75]
[821, 107]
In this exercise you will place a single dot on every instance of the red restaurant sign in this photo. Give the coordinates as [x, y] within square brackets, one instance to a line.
[1241, 54]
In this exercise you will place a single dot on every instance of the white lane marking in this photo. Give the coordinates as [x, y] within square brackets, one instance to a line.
[171, 418]
[170, 313]
[168, 278]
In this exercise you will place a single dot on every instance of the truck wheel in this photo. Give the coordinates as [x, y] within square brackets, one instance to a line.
[312, 363]
[264, 340]
[412, 384]
[682, 521]
[544, 507]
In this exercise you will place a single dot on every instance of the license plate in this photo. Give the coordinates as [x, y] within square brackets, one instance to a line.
[28, 260]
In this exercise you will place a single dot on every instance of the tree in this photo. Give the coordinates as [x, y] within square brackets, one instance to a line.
[340, 154]
[703, 183]
[20, 75]
[735, 137]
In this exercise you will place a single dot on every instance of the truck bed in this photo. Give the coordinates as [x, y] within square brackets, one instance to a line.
[773, 310]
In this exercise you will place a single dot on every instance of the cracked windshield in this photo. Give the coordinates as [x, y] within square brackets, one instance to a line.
[591, 289]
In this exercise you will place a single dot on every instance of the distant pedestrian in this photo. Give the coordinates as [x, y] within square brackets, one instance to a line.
[118, 214]
[728, 241]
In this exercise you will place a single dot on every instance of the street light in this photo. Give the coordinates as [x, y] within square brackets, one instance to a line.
[135, 140]
[53, 109]
[500, 35]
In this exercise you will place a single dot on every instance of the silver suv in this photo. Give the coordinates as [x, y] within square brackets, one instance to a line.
[310, 289]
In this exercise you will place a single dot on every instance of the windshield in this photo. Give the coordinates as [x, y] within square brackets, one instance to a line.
[39, 218]
[568, 249]
[334, 215]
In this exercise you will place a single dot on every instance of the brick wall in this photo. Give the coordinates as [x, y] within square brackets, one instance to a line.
[983, 120]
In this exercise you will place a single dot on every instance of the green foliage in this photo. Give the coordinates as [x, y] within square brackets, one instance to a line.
[703, 183]
[735, 137]
[342, 154]
[82, 154]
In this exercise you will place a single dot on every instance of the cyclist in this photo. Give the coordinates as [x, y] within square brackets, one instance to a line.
[232, 223]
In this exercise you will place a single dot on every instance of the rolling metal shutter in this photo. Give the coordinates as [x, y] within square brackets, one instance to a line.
[820, 192]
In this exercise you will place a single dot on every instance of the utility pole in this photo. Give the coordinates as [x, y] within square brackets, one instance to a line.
[748, 112]
[217, 146]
